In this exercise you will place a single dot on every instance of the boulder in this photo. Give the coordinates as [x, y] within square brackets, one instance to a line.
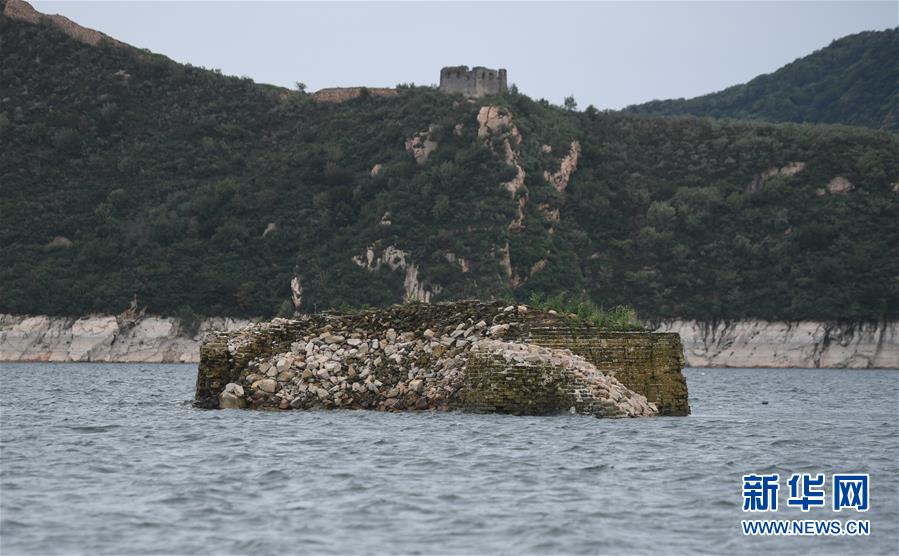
[267, 385]
[232, 397]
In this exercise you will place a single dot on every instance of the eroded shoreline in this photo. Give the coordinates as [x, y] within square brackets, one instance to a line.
[747, 343]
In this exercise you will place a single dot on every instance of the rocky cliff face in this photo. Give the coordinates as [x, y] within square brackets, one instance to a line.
[755, 343]
[104, 338]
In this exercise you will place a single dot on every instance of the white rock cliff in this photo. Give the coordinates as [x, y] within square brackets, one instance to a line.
[149, 339]
[750, 343]
[753, 343]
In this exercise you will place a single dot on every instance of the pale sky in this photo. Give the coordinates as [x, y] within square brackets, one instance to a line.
[609, 54]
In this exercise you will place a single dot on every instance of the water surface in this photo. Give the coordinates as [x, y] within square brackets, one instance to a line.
[108, 458]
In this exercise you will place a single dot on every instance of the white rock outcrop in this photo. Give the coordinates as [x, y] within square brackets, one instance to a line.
[296, 292]
[567, 166]
[495, 123]
[421, 145]
[397, 259]
[104, 338]
[452, 258]
[790, 169]
[839, 185]
[754, 343]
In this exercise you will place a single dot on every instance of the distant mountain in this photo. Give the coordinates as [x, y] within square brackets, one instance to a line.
[854, 81]
[123, 174]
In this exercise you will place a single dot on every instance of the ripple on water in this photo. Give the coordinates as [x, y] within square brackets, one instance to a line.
[92, 429]
[107, 469]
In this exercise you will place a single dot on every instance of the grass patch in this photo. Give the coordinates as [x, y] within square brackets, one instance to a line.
[621, 318]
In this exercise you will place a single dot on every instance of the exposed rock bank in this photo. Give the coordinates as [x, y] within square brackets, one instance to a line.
[749, 343]
[104, 338]
[753, 343]
[470, 356]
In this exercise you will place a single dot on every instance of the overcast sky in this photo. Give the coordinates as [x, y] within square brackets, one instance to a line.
[609, 54]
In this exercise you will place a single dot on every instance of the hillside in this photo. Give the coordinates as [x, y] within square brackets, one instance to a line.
[125, 174]
[853, 81]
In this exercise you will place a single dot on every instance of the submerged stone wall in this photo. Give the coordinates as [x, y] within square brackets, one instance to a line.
[642, 361]
[470, 356]
[506, 377]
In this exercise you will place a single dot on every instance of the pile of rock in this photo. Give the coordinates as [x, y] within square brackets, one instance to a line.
[343, 366]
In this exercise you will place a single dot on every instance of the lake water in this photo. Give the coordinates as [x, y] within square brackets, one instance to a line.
[113, 459]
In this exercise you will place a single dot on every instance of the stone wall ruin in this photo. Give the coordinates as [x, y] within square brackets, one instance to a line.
[469, 356]
[473, 83]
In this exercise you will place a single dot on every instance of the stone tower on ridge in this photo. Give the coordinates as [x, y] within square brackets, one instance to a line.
[476, 82]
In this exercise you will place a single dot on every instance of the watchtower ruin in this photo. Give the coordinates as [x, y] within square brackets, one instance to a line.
[474, 83]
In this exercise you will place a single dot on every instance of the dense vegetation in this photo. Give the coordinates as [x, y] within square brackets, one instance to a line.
[164, 178]
[853, 81]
